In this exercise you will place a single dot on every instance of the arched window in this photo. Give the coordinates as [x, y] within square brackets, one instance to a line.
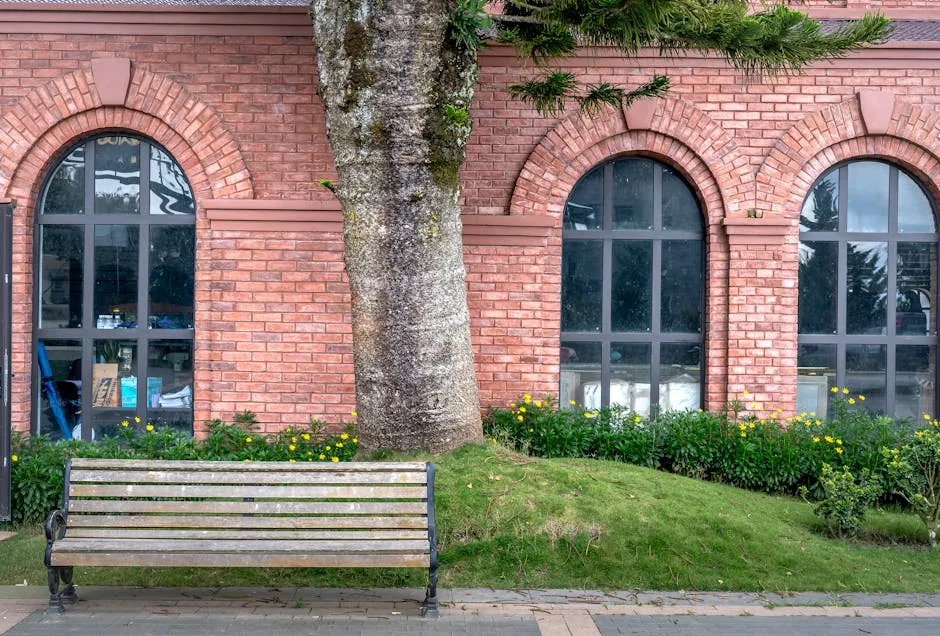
[868, 289]
[632, 289]
[114, 290]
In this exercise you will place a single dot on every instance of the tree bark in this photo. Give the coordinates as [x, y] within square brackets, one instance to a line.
[396, 89]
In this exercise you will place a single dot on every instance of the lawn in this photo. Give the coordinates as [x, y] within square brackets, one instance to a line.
[511, 521]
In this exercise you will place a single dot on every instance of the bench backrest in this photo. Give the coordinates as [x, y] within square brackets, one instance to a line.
[360, 502]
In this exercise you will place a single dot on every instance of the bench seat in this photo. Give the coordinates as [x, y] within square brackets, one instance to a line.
[236, 514]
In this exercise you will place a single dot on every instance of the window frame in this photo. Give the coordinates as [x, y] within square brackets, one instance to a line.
[892, 236]
[656, 235]
[142, 335]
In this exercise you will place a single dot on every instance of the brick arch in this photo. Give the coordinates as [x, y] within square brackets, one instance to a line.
[34, 130]
[679, 133]
[838, 133]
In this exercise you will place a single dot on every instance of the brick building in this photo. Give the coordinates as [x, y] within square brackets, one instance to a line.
[738, 235]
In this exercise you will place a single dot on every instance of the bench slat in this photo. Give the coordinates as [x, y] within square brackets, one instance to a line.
[246, 467]
[160, 559]
[251, 507]
[242, 535]
[241, 492]
[231, 546]
[111, 476]
[209, 521]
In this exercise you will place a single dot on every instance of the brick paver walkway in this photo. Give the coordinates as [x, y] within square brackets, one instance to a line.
[108, 610]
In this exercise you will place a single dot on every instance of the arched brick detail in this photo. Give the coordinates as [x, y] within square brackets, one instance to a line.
[70, 105]
[681, 136]
[679, 131]
[837, 134]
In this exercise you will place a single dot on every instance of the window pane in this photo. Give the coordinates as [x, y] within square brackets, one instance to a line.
[60, 392]
[117, 175]
[581, 285]
[61, 275]
[866, 288]
[585, 207]
[682, 287]
[914, 211]
[917, 265]
[630, 377]
[633, 194]
[631, 305]
[116, 254]
[680, 376]
[65, 193]
[865, 374]
[816, 375]
[914, 382]
[819, 262]
[821, 209]
[114, 383]
[172, 275]
[680, 207]
[580, 376]
[868, 196]
[169, 190]
[170, 374]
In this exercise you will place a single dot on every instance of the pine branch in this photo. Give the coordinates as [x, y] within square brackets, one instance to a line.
[600, 94]
[548, 94]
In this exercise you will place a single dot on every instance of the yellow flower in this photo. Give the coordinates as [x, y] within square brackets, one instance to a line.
[246, 460]
[572, 402]
[851, 400]
[839, 442]
[743, 434]
[248, 440]
[137, 420]
[839, 450]
[531, 430]
[587, 415]
[294, 440]
[125, 423]
[512, 405]
[751, 425]
[812, 413]
[829, 439]
[322, 456]
[538, 403]
[742, 427]
[637, 419]
[355, 440]
[527, 398]
[754, 405]
[834, 390]
[339, 444]
[773, 416]
[326, 448]
[149, 427]
[15, 458]
[745, 393]
[310, 453]
[344, 436]
[354, 414]
[845, 391]
[291, 448]
[306, 436]
[862, 398]
[926, 417]
[522, 409]
[520, 418]
[335, 459]
[292, 461]
[816, 439]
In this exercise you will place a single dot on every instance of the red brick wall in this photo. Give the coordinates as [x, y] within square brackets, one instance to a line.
[241, 115]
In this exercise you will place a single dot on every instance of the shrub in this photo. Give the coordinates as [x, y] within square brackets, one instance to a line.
[37, 474]
[914, 472]
[845, 499]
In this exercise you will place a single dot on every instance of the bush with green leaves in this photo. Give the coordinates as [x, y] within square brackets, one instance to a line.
[914, 473]
[845, 499]
[38, 463]
[741, 445]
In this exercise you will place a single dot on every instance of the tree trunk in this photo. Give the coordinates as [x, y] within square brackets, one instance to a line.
[396, 89]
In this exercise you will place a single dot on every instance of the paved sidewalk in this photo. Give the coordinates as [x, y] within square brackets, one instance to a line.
[102, 611]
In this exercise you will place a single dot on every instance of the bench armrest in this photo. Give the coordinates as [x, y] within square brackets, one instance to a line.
[55, 529]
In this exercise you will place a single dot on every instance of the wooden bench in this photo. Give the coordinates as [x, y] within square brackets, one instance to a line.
[242, 514]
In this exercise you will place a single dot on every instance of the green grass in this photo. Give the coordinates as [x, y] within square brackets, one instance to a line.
[509, 521]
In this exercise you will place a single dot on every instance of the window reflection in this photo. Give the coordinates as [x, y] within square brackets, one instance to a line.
[65, 192]
[172, 276]
[584, 209]
[61, 275]
[818, 287]
[117, 175]
[116, 263]
[868, 196]
[582, 275]
[169, 190]
[866, 288]
[821, 209]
